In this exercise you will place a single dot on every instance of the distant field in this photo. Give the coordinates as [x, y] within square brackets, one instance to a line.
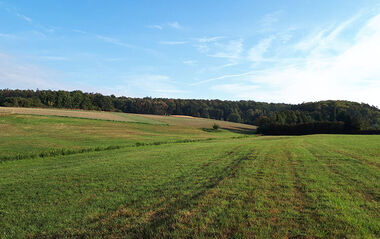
[67, 113]
[137, 118]
[166, 177]
[28, 132]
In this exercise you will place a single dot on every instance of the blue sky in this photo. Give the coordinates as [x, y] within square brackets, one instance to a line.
[275, 51]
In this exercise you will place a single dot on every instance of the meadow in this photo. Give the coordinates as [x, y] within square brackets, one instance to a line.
[72, 175]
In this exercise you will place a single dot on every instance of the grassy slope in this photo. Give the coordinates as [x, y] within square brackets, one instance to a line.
[29, 135]
[126, 117]
[308, 186]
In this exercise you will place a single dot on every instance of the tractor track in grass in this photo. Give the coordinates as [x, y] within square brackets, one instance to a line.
[316, 203]
[162, 188]
[344, 191]
[291, 188]
[299, 198]
[358, 158]
[307, 199]
[366, 193]
[164, 215]
[64, 152]
[164, 209]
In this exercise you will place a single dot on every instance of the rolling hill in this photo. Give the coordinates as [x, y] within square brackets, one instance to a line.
[80, 174]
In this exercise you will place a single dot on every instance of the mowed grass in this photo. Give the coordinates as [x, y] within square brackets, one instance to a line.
[78, 114]
[177, 120]
[317, 186]
[24, 136]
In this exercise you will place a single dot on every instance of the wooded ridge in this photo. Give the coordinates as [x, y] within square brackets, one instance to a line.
[332, 116]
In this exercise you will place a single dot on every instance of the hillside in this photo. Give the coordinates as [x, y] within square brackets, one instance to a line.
[79, 174]
[355, 116]
[29, 132]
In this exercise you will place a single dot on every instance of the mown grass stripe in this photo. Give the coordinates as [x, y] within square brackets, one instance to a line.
[63, 152]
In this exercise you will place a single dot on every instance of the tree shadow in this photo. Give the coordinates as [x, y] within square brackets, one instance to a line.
[237, 130]
[241, 130]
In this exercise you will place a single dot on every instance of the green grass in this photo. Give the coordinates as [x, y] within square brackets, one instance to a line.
[186, 186]
[139, 118]
[25, 136]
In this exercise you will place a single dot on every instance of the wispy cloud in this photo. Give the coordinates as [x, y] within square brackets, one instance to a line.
[28, 19]
[174, 25]
[118, 42]
[205, 44]
[54, 58]
[235, 87]
[268, 21]
[209, 39]
[203, 48]
[173, 42]
[152, 85]
[115, 41]
[256, 53]
[327, 39]
[80, 31]
[190, 62]
[221, 67]
[223, 77]
[3, 35]
[17, 74]
[159, 27]
[332, 67]
[230, 50]
[114, 59]
[285, 36]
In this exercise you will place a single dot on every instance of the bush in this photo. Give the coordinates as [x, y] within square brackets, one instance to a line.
[215, 126]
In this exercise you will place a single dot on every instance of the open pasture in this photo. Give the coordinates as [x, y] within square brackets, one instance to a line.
[33, 132]
[183, 182]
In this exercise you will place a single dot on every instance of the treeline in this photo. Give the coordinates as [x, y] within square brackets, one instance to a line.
[325, 127]
[236, 111]
[323, 116]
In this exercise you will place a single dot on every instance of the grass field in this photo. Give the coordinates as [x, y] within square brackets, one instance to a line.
[29, 133]
[169, 178]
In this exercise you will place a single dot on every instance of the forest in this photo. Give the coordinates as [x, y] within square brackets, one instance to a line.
[272, 118]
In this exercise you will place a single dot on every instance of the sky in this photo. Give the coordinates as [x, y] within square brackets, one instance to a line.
[289, 51]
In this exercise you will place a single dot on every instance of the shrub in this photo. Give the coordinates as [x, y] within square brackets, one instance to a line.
[215, 126]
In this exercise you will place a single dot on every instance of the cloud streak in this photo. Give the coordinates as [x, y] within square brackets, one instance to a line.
[209, 39]
[173, 42]
[332, 67]
[16, 74]
[115, 41]
[231, 50]
[151, 85]
[268, 21]
[223, 77]
[3, 35]
[256, 53]
[30, 21]
[190, 62]
[173, 25]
